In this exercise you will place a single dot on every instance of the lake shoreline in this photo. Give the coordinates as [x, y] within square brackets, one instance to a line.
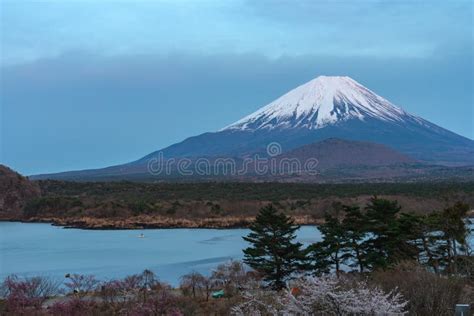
[159, 222]
[153, 222]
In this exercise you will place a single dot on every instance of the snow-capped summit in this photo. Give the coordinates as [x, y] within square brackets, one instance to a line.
[321, 102]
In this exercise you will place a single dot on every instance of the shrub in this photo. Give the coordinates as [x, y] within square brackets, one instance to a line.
[81, 284]
[429, 293]
[28, 293]
[74, 307]
[194, 284]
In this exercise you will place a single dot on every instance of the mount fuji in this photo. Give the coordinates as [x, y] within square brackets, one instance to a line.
[323, 108]
[331, 107]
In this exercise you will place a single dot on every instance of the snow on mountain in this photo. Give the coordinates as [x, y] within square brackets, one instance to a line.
[321, 102]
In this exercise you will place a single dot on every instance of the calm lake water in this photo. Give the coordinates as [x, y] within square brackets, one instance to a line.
[41, 249]
[30, 249]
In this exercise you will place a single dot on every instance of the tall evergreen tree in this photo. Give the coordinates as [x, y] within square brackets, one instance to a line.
[382, 229]
[355, 230]
[452, 224]
[273, 251]
[410, 243]
[440, 237]
[433, 249]
[331, 252]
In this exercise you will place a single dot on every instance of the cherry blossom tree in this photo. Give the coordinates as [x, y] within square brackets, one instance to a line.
[81, 284]
[27, 293]
[326, 295]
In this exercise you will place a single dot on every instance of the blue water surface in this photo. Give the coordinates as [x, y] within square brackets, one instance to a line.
[28, 249]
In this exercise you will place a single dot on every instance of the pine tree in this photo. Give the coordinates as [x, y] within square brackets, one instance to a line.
[382, 227]
[331, 252]
[273, 251]
[451, 223]
[354, 226]
[411, 238]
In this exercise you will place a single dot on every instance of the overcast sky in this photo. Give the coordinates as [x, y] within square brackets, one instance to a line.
[87, 84]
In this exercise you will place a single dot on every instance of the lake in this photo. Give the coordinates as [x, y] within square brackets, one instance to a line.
[29, 249]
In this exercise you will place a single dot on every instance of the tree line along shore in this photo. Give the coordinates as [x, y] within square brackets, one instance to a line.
[130, 205]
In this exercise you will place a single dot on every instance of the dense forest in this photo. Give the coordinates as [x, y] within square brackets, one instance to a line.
[112, 205]
[270, 191]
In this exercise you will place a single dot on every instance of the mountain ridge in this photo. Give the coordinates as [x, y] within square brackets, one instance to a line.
[15, 191]
[325, 107]
[397, 129]
[336, 152]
